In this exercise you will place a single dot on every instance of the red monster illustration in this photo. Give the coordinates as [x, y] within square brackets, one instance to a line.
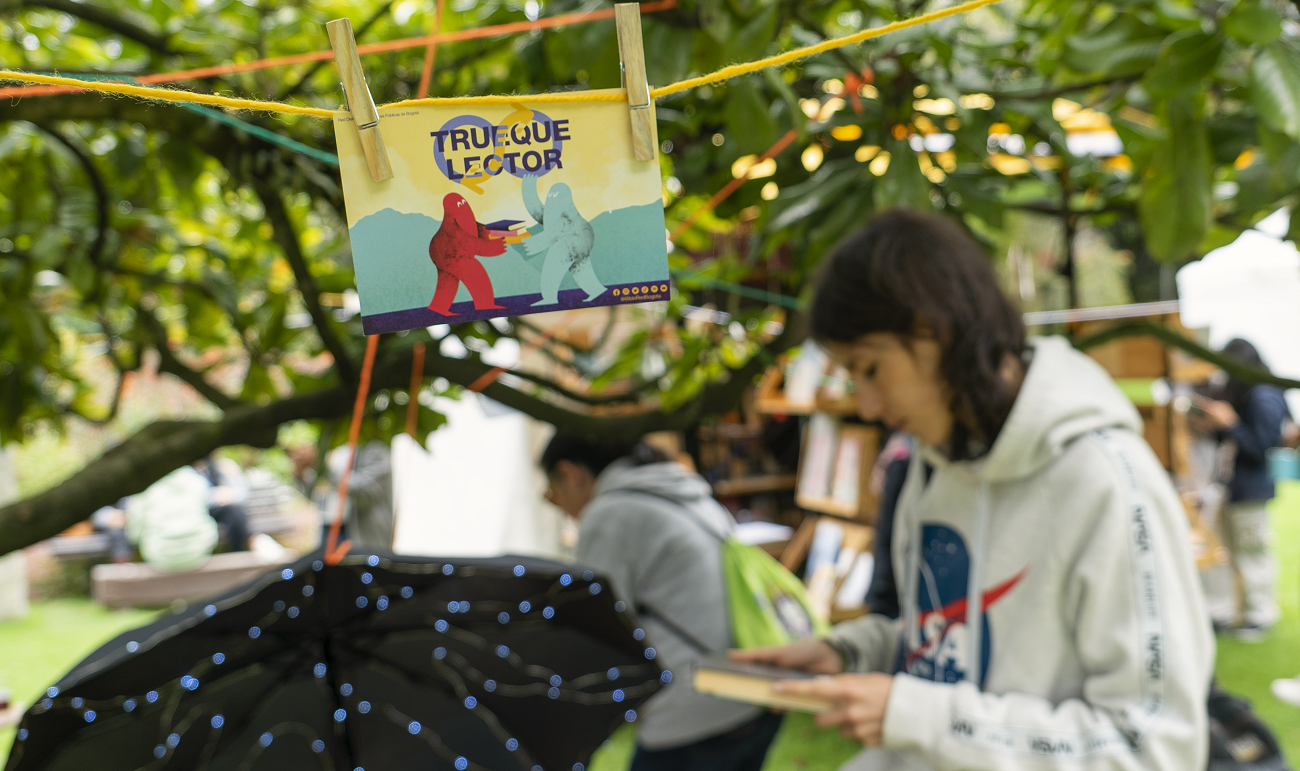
[454, 250]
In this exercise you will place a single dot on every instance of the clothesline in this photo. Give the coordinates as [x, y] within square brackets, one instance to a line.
[495, 30]
[726, 73]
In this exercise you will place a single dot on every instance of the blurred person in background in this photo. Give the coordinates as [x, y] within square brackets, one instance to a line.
[652, 526]
[887, 477]
[169, 521]
[368, 513]
[227, 494]
[1250, 418]
[111, 521]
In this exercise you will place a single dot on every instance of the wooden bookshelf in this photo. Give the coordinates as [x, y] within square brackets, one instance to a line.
[829, 578]
[769, 483]
[828, 506]
[831, 482]
[770, 398]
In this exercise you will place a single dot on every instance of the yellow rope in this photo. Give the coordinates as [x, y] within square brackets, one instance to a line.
[165, 94]
[559, 96]
[735, 70]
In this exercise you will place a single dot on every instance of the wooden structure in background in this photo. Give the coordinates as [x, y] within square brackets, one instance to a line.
[1138, 358]
[135, 584]
[832, 479]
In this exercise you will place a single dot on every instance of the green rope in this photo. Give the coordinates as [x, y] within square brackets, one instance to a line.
[229, 120]
[740, 289]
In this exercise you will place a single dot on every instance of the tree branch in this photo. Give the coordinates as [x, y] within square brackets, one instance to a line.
[101, 18]
[1228, 364]
[627, 397]
[315, 67]
[162, 447]
[1048, 207]
[100, 188]
[1058, 90]
[235, 149]
[287, 237]
[167, 362]
[149, 455]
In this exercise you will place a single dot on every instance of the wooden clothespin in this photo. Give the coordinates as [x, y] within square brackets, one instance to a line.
[359, 101]
[631, 53]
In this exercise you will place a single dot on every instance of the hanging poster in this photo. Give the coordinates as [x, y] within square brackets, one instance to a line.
[502, 211]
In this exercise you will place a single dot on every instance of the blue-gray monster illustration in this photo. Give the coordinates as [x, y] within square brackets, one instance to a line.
[568, 237]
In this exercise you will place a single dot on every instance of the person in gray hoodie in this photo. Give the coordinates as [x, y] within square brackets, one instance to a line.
[1050, 611]
[653, 528]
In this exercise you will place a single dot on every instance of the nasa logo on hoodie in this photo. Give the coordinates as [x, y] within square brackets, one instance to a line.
[938, 647]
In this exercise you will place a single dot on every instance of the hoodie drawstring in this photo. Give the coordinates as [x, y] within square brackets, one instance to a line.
[912, 565]
[975, 589]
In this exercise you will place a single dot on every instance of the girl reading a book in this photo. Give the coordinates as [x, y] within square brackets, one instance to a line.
[1050, 614]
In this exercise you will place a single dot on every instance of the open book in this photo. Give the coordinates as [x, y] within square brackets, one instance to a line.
[752, 683]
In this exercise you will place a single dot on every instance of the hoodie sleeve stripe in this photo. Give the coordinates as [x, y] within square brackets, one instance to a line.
[1138, 718]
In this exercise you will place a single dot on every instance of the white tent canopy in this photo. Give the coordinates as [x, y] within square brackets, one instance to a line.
[1250, 289]
[477, 490]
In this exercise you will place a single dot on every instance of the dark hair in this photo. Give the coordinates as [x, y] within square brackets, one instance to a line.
[1235, 390]
[596, 456]
[905, 272]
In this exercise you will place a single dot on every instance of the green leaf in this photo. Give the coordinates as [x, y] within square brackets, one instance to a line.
[1174, 207]
[751, 40]
[803, 200]
[1217, 236]
[903, 183]
[258, 385]
[1275, 86]
[1293, 229]
[942, 49]
[1253, 23]
[715, 19]
[667, 52]
[747, 108]
[1124, 46]
[1185, 59]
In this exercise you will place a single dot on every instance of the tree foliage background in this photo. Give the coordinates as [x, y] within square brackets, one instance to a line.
[128, 226]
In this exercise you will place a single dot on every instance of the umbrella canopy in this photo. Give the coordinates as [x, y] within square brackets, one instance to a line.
[381, 662]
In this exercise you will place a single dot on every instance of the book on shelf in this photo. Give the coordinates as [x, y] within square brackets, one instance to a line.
[836, 549]
[835, 467]
[852, 594]
[845, 483]
[818, 462]
[752, 683]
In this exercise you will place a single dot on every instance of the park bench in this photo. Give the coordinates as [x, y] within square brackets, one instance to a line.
[136, 584]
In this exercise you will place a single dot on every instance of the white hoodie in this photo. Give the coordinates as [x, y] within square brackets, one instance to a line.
[1093, 650]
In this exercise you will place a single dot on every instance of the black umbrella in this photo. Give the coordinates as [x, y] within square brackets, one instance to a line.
[381, 662]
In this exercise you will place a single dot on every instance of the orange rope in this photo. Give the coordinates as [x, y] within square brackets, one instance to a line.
[413, 393]
[426, 74]
[731, 186]
[335, 555]
[490, 377]
[429, 41]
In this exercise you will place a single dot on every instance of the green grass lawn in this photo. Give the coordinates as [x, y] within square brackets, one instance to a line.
[1248, 669]
[37, 650]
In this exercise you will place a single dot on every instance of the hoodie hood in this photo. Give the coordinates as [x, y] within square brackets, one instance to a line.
[1065, 395]
[670, 481]
[665, 480]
